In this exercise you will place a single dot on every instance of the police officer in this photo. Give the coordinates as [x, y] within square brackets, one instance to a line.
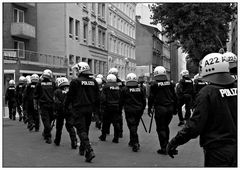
[110, 99]
[33, 114]
[19, 92]
[98, 114]
[10, 98]
[184, 93]
[84, 96]
[61, 114]
[44, 96]
[120, 84]
[134, 102]
[163, 99]
[214, 117]
[24, 103]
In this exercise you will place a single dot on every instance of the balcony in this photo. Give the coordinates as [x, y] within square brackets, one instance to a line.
[23, 30]
[34, 58]
[26, 5]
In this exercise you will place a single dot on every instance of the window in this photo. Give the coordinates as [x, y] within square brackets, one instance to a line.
[71, 59]
[85, 31]
[115, 46]
[110, 44]
[114, 18]
[103, 10]
[77, 27]
[103, 39]
[93, 34]
[118, 24]
[99, 38]
[110, 18]
[78, 59]
[119, 48]
[93, 7]
[20, 46]
[70, 27]
[121, 25]
[18, 15]
[84, 5]
[99, 9]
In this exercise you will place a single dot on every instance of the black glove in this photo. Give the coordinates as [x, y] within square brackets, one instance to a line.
[171, 149]
[150, 113]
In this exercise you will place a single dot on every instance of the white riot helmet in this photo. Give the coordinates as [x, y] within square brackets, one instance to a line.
[22, 79]
[160, 73]
[63, 81]
[98, 80]
[131, 80]
[82, 68]
[184, 73]
[34, 78]
[100, 76]
[57, 80]
[28, 78]
[113, 71]
[11, 83]
[231, 58]
[215, 69]
[47, 74]
[111, 78]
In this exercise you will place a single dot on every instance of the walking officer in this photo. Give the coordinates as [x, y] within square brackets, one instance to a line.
[184, 93]
[84, 96]
[19, 92]
[11, 100]
[133, 101]
[214, 117]
[110, 99]
[61, 114]
[163, 98]
[44, 97]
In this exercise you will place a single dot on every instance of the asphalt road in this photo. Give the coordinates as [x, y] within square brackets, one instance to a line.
[22, 148]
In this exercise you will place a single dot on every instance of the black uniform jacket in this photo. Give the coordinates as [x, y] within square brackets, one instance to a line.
[10, 95]
[29, 95]
[19, 92]
[185, 86]
[214, 118]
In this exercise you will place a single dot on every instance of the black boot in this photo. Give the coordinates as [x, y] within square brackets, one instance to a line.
[115, 140]
[135, 147]
[89, 155]
[102, 137]
[162, 151]
[57, 142]
[48, 140]
[81, 150]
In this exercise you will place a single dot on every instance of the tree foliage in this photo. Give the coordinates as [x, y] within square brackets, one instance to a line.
[200, 28]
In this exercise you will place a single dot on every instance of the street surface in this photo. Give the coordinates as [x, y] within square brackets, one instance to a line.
[22, 148]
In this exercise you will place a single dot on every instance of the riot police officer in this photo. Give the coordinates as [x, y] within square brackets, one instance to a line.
[184, 93]
[62, 114]
[10, 98]
[84, 96]
[133, 101]
[110, 99]
[44, 97]
[19, 92]
[33, 114]
[163, 98]
[214, 117]
[24, 102]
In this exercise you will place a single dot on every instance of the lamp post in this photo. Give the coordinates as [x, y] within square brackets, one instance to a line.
[126, 64]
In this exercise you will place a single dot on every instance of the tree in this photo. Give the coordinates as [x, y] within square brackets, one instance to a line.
[200, 28]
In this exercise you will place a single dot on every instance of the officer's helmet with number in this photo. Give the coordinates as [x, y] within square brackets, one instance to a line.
[100, 76]
[111, 78]
[11, 83]
[131, 80]
[83, 68]
[47, 74]
[160, 73]
[232, 59]
[34, 78]
[63, 81]
[215, 69]
[113, 71]
[22, 79]
[98, 80]
[185, 73]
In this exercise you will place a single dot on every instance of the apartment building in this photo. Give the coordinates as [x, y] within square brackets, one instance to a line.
[121, 30]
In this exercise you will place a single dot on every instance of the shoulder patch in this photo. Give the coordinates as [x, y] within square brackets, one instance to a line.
[135, 89]
[165, 83]
[46, 83]
[114, 88]
[228, 92]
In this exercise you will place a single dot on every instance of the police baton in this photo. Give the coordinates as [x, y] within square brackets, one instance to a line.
[150, 127]
[143, 124]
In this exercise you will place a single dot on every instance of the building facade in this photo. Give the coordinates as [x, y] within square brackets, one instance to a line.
[121, 30]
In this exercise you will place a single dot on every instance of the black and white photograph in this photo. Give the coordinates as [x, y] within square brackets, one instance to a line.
[125, 84]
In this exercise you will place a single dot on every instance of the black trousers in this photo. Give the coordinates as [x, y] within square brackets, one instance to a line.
[33, 117]
[82, 122]
[163, 117]
[111, 116]
[69, 126]
[47, 118]
[12, 110]
[133, 119]
[225, 156]
[187, 100]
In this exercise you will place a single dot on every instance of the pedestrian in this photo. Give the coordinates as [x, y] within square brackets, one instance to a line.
[84, 96]
[120, 84]
[33, 114]
[43, 96]
[133, 100]
[214, 117]
[110, 98]
[62, 114]
[11, 99]
[184, 95]
[19, 92]
[164, 101]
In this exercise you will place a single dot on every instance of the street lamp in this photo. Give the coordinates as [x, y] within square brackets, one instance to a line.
[126, 64]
